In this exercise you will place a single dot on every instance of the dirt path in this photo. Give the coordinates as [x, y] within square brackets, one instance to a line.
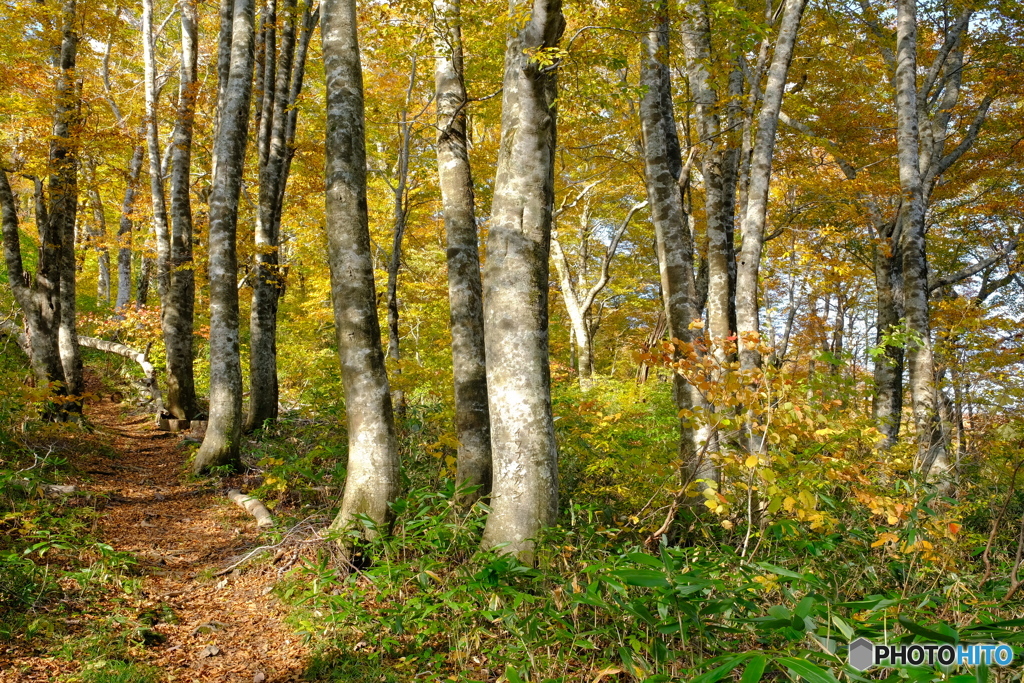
[224, 629]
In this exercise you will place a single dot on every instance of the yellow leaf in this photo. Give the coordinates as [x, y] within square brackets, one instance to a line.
[884, 538]
[751, 462]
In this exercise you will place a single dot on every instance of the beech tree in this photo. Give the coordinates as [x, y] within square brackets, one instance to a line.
[175, 277]
[37, 295]
[667, 176]
[372, 480]
[283, 73]
[472, 419]
[220, 445]
[63, 190]
[524, 497]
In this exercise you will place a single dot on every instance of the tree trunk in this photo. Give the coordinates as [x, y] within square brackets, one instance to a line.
[718, 206]
[263, 386]
[124, 229]
[178, 302]
[98, 237]
[755, 213]
[63, 207]
[400, 193]
[220, 445]
[472, 419]
[666, 176]
[268, 283]
[373, 464]
[38, 296]
[524, 498]
[580, 307]
[887, 407]
[931, 451]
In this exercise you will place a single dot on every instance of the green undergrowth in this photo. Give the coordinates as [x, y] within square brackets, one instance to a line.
[428, 604]
[63, 592]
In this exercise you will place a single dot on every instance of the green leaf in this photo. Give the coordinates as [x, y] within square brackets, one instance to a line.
[644, 558]
[810, 672]
[754, 670]
[720, 672]
[512, 675]
[843, 627]
[928, 633]
[648, 578]
[804, 608]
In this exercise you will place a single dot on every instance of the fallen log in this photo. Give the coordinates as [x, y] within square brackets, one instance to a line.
[139, 357]
[253, 507]
[50, 490]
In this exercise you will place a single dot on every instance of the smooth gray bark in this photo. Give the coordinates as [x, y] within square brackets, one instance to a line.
[177, 303]
[755, 212]
[579, 295]
[37, 295]
[373, 465]
[124, 229]
[524, 496]
[278, 128]
[220, 445]
[717, 162]
[931, 449]
[666, 177]
[98, 236]
[469, 370]
[63, 189]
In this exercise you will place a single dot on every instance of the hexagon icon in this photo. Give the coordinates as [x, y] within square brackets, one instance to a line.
[862, 654]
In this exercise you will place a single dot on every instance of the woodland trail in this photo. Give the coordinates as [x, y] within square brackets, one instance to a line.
[224, 629]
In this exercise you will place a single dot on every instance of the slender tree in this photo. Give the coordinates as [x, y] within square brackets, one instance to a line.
[755, 213]
[666, 177]
[579, 295]
[524, 496]
[220, 445]
[472, 421]
[277, 138]
[372, 480]
[177, 301]
[63, 190]
[931, 445]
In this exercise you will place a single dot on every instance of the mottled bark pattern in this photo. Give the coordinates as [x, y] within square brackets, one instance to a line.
[268, 283]
[931, 449]
[524, 496]
[373, 464]
[663, 170]
[63, 189]
[887, 406]
[220, 446]
[756, 211]
[37, 296]
[177, 304]
[124, 229]
[472, 419]
[718, 202]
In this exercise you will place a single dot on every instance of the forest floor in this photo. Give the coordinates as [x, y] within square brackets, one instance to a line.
[182, 533]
